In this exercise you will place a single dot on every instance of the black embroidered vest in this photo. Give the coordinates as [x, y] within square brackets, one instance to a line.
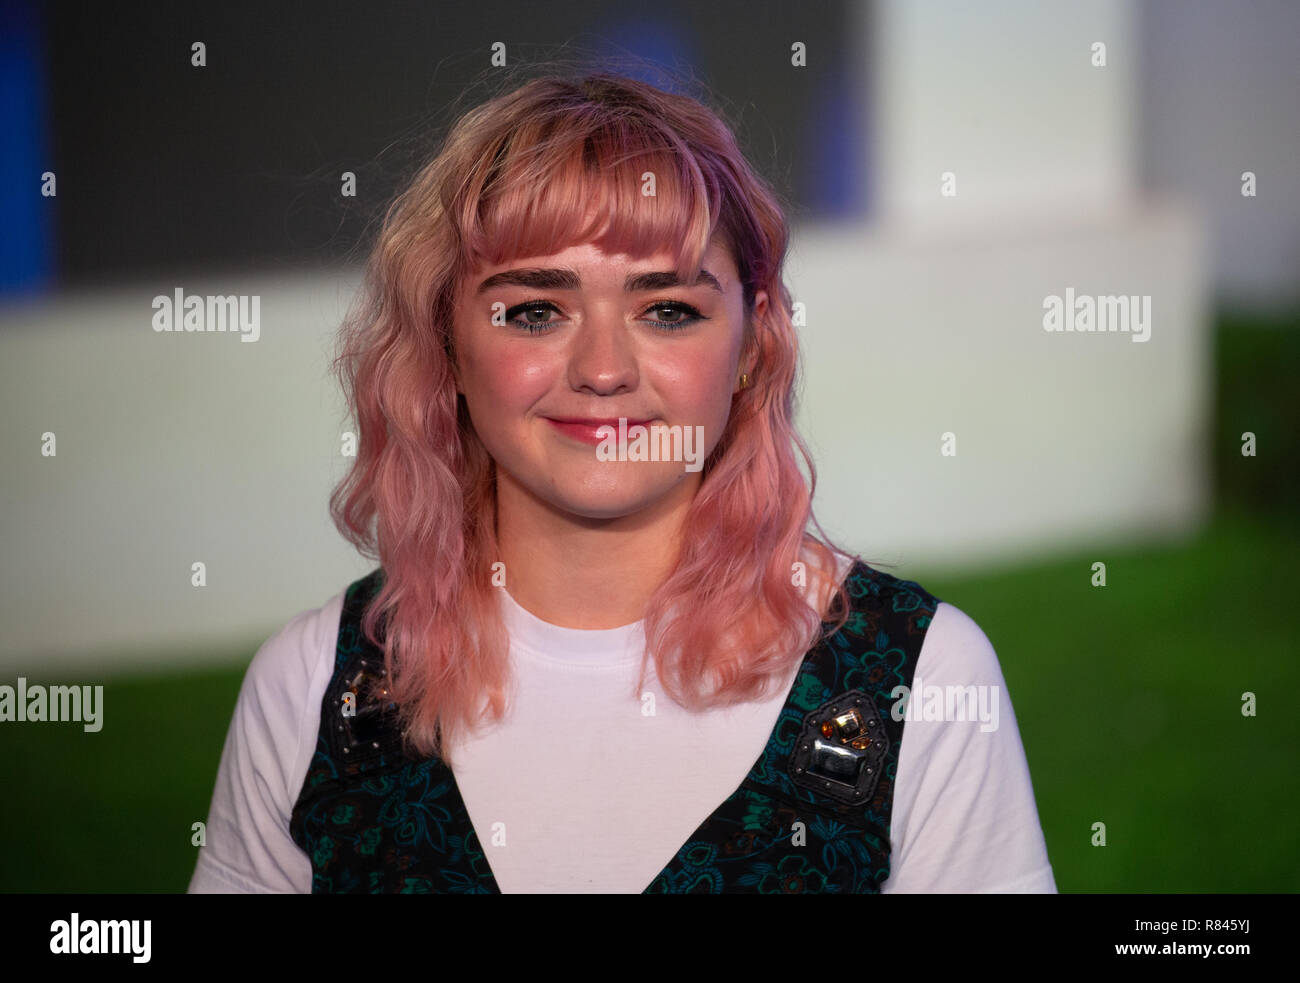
[812, 816]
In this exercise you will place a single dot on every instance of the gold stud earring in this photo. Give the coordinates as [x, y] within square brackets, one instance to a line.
[744, 380]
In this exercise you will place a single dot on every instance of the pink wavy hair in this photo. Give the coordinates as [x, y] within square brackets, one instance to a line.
[518, 176]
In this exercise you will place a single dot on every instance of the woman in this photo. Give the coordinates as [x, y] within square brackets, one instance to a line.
[647, 674]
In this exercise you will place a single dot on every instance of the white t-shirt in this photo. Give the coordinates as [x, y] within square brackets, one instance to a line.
[636, 786]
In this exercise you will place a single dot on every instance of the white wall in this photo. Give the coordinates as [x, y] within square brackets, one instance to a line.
[171, 449]
[1004, 95]
[1062, 439]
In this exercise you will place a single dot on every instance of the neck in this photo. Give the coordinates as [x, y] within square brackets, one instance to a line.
[579, 572]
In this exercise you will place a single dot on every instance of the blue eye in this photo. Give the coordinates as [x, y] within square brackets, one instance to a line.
[689, 316]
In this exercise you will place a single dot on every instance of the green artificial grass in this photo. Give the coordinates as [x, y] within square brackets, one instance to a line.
[1129, 700]
[113, 810]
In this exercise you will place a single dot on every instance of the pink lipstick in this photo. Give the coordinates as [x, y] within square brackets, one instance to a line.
[585, 429]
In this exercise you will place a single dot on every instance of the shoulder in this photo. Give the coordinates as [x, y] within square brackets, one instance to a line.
[888, 610]
[278, 710]
[964, 815]
[868, 589]
[865, 580]
[955, 645]
[268, 747]
[300, 650]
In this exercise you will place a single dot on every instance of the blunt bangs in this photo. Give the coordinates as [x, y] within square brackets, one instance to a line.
[604, 184]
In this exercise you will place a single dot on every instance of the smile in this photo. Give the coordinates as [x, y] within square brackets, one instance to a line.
[587, 430]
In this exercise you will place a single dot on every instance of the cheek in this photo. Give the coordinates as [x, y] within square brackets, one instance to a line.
[507, 376]
[699, 382]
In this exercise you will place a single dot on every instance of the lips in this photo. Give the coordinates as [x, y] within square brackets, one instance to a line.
[594, 422]
[585, 429]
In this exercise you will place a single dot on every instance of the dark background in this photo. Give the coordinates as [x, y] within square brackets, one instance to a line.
[166, 168]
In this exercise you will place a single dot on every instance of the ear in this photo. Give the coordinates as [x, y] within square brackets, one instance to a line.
[760, 308]
[749, 352]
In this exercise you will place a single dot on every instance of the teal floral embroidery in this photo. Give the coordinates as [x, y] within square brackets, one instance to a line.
[807, 692]
[758, 815]
[881, 673]
[324, 852]
[343, 815]
[370, 841]
[856, 623]
[906, 600]
[793, 875]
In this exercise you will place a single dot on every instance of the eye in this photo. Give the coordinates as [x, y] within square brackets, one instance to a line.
[531, 307]
[686, 315]
[689, 315]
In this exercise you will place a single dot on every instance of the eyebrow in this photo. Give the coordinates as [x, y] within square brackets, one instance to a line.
[565, 279]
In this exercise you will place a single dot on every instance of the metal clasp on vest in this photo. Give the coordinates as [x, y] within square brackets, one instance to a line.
[368, 718]
[841, 749]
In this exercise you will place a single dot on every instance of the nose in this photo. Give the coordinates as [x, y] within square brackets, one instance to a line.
[602, 360]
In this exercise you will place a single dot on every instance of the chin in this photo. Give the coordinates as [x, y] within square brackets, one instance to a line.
[602, 500]
[602, 506]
